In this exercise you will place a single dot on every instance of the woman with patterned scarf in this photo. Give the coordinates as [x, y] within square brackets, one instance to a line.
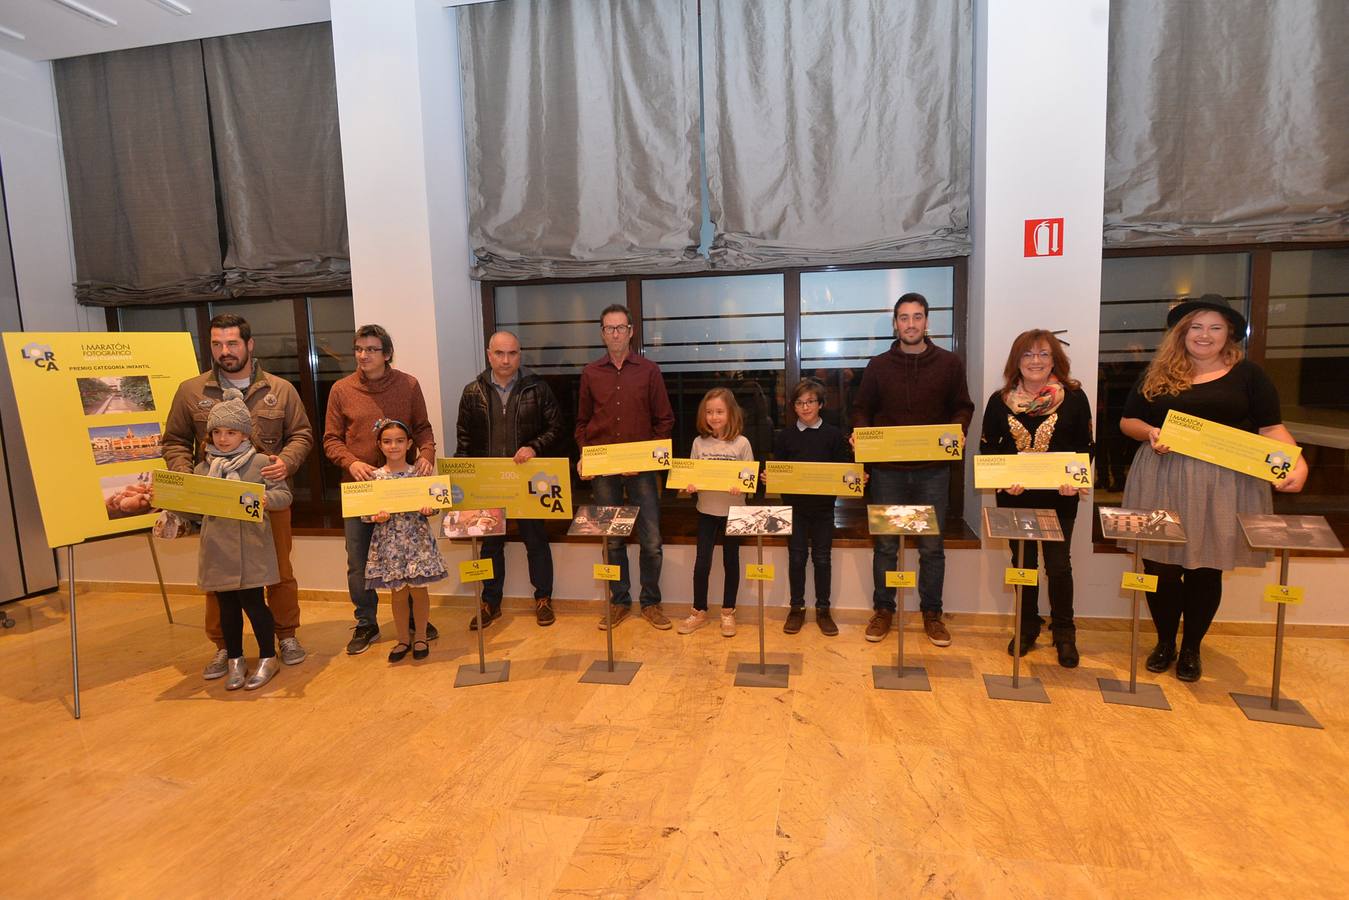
[1042, 409]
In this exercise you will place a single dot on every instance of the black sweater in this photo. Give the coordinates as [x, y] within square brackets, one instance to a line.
[823, 444]
[1071, 433]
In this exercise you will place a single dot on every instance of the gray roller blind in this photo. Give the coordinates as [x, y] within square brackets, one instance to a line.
[136, 139]
[1228, 121]
[837, 132]
[581, 132]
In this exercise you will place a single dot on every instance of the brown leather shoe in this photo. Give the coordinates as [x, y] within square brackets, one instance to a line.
[543, 611]
[879, 626]
[936, 631]
[656, 617]
[796, 617]
[619, 612]
[826, 622]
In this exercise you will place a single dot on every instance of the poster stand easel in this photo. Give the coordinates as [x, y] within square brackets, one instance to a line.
[1027, 689]
[607, 670]
[921, 520]
[1282, 533]
[1158, 526]
[494, 672]
[762, 673]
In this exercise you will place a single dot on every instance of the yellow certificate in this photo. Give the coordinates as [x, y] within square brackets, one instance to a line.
[908, 443]
[836, 479]
[1231, 448]
[365, 498]
[619, 459]
[713, 474]
[1037, 471]
[538, 489]
[207, 496]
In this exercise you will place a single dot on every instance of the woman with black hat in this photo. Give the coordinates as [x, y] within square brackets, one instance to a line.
[1199, 370]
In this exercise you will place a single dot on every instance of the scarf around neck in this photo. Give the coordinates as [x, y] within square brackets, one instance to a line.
[1041, 403]
[228, 465]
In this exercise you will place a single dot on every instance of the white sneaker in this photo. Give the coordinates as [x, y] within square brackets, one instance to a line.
[728, 623]
[697, 619]
[216, 667]
[292, 654]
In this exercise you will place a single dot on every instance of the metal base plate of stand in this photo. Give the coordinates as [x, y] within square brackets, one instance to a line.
[999, 687]
[1149, 696]
[599, 673]
[470, 674]
[773, 675]
[888, 678]
[1258, 709]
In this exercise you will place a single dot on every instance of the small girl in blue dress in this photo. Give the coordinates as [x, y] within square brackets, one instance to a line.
[403, 557]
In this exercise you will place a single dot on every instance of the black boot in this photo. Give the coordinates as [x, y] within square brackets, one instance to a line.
[1067, 654]
[1027, 642]
[1161, 657]
[1188, 667]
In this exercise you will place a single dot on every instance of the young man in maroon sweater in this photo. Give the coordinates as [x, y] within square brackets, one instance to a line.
[915, 382]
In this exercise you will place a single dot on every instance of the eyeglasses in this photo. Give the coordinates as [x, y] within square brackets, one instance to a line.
[806, 401]
[1036, 354]
[362, 351]
[615, 329]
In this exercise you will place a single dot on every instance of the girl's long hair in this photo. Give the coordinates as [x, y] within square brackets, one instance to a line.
[1171, 371]
[735, 419]
[1025, 341]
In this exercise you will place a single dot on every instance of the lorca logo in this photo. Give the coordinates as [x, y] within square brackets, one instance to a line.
[1279, 463]
[251, 504]
[950, 443]
[40, 355]
[439, 493]
[548, 489]
[661, 456]
[853, 482]
[1078, 473]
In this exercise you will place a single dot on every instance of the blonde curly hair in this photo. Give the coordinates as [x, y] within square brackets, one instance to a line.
[1170, 373]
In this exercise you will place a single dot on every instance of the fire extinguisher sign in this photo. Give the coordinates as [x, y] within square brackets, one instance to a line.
[1044, 237]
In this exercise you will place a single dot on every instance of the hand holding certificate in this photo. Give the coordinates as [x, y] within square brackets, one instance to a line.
[206, 496]
[538, 488]
[835, 479]
[1231, 448]
[733, 475]
[391, 495]
[622, 459]
[908, 443]
[1037, 471]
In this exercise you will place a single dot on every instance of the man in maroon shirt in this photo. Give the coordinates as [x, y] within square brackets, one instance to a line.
[623, 399]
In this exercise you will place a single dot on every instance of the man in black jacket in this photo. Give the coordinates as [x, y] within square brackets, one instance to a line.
[509, 411]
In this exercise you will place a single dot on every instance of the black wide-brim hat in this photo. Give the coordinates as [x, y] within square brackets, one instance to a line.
[1215, 302]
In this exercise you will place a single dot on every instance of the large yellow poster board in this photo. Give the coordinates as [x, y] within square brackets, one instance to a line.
[92, 406]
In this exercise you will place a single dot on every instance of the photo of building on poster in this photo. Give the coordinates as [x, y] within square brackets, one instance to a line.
[125, 443]
[125, 496]
[117, 394]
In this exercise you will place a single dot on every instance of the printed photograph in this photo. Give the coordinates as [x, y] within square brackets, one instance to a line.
[883, 519]
[615, 521]
[1270, 532]
[769, 520]
[1160, 526]
[471, 523]
[116, 394]
[125, 443]
[1022, 524]
[125, 496]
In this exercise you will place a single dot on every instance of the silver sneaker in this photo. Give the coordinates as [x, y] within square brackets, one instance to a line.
[265, 672]
[292, 654]
[236, 672]
[216, 667]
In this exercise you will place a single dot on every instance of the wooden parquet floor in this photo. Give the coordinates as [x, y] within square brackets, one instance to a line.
[350, 777]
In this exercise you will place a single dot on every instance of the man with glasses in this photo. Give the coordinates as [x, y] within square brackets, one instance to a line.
[281, 431]
[623, 399]
[915, 382]
[376, 390]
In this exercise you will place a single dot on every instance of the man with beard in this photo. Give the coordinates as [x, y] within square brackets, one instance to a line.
[915, 382]
[281, 432]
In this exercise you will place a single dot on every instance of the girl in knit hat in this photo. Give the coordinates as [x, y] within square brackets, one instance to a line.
[237, 558]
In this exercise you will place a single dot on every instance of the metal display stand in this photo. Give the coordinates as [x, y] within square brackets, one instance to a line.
[494, 672]
[1144, 530]
[762, 673]
[1302, 533]
[607, 670]
[1027, 689]
[900, 677]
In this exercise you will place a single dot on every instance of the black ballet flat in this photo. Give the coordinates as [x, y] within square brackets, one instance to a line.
[420, 649]
[397, 654]
[1161, 657]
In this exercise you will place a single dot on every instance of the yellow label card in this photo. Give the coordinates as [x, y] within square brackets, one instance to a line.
[538, 489]
[1027, 577]
[619, 459]
[606, 573]
[908, 443]
[391, 495]
[1231, 448]
[836, 479]
[713, 475]
[900, 579]
[755, 572]
[1282, 593]
[182, 492]
[475, 570]
[1137, 581]
[1032, 470]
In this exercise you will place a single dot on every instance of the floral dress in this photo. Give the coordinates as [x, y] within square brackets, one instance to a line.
[403, 552]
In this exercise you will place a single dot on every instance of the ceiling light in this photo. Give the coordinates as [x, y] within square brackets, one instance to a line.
[10, 33]
[89, 13]
[173, 6]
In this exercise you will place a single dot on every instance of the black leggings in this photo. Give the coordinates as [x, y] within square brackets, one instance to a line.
[233, 605]
[710, 530]
[1191, 594]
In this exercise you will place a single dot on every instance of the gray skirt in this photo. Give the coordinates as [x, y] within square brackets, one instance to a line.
[1208, 499]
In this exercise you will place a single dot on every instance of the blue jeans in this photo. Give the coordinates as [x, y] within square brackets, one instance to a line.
[365, 600]
[910, 487]
[643, 491]
[539, 553]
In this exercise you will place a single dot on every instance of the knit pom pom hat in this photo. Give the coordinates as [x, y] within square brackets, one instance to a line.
[230, 413]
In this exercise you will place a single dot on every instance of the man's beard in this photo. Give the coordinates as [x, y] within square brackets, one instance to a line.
[240, 363]
[914, 343]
